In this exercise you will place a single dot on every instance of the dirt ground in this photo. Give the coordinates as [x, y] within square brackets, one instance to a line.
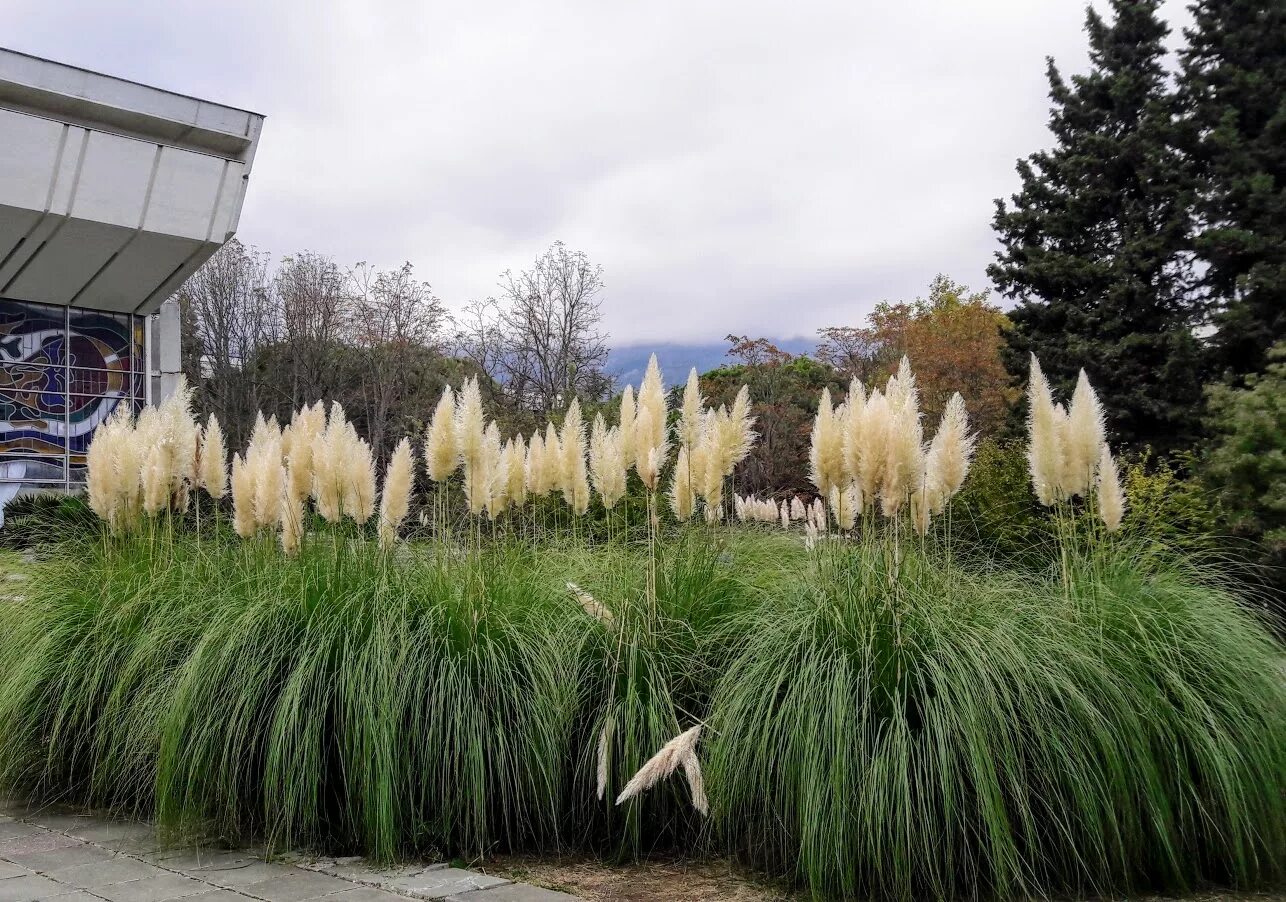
[648, 881]
[704, 881]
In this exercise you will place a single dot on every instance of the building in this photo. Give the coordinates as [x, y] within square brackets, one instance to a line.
[111, 194]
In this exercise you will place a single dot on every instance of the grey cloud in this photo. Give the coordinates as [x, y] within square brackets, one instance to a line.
[752, 167]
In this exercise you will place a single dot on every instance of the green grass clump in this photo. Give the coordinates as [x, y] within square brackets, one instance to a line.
[941, 731]
[344, 699]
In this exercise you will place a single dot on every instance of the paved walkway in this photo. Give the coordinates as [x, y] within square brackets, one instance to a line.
[79, 858]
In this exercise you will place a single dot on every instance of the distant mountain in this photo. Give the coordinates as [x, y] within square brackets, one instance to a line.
[628, 362]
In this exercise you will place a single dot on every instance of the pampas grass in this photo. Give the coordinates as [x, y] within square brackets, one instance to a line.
[679, 752]
[395, 499]
[1111, 500]
[441, 450]
[213, 465]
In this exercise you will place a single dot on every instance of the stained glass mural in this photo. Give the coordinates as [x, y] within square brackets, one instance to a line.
[62, 373]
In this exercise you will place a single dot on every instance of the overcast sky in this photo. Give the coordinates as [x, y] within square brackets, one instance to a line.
[753, 167]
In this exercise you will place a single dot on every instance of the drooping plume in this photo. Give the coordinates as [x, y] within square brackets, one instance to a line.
[678, 752]
[690, 415]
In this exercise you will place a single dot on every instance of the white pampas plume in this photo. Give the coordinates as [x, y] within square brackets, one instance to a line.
[469, 425]
[742, 428]
[1044, 438]
[871, 440]
[306, 426]
[552, 461]
[603, 757]
[690, 415]
[327, 466]
[682, 499]
[536, 465]
[904, 449]
[479, 478]
[112, 477]
[1111, 500]
[243, 498]
[441, 453]
[784, 515]
[499, 499]
[591, 605]
[678, 752]
[739, 507]
[797, 511]
[573, 474]
[651, 442]
[1085, 431]
[607, 462]
[945, 464]
[214, 460]
[395, 500]
[844, 507]
[292, 524]
[263, 464]
[855, 410]
[626, 424]
[516, 473]
[826, 449]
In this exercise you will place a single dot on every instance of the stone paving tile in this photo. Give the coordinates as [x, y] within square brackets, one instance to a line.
[22, 846]
[444, 882]
[85, 853]
[104, 832]
[244, 875]
[104, 873]
[12, 829]
[197, 861]
[27, 888]
[9, 869]
[61, 823]
[78, 895]
[152, 889]
[216, 895]
[365, 894]
[514, 892]
[295, 887]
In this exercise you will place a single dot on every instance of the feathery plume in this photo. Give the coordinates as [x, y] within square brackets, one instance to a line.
[602, 758]
[516, 472]
[1044, 437]
[1085, 431]
[292, 524]
[591, 605]
[690, 415]
[904, 445]
[1111, 500]
[573, 475]
[552, 460]
[536, 465]
[243, 498]
[682, 499]
[843, 507]
[306, 426]
[855, 410]
[678, 752]
[441, 453]
[826, 449]
[469, 425]
[395, 499]
[626, 424]
[651, 444]
[214, 460]
[607, 462]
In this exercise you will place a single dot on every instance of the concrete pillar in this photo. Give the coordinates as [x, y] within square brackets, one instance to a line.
[166, 352]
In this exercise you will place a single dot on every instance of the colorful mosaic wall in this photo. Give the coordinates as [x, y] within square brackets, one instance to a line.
[62, 372]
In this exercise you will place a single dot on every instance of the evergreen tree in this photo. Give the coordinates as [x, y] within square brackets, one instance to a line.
[1232, 92]
[1093, 243]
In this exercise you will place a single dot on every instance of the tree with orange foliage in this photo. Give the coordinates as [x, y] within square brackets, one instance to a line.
[953, 338]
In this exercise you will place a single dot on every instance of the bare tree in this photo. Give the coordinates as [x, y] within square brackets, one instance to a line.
[316, 316]
[541, 337]
[228, 315]
[395, 316]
